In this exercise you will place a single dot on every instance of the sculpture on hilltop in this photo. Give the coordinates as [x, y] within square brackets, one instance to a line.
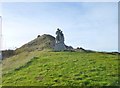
[60, 36]
[59, 41]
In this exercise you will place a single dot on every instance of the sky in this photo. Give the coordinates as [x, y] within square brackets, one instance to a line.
[91, 25]
[59, 0]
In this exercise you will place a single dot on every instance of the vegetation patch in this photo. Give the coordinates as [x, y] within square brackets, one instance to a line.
[45, 68]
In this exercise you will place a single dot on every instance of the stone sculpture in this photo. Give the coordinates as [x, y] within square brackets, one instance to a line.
[59, 41]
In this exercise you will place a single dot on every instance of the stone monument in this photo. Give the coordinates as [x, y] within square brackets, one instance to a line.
[59, 41]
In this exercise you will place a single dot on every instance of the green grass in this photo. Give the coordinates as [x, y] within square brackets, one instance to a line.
[61, 69]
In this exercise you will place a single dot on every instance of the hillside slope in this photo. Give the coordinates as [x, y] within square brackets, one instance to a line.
[44, 42]
[43, 68]
[40, 43]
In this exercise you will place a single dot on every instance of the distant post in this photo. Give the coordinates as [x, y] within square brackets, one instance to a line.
[0, 38]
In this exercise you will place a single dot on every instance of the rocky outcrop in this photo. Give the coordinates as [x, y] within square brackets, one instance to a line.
[7, 53]
[40, 43]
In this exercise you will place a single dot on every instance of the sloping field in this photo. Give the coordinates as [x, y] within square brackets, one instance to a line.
[45, 68]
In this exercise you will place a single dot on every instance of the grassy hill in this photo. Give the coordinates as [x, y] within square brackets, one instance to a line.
[40, 43]
[47, 68]
[35, 64]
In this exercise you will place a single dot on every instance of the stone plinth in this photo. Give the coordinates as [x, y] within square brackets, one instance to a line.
[59, 47]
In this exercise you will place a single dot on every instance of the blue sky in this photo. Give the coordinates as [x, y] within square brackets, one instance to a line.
[91, 25]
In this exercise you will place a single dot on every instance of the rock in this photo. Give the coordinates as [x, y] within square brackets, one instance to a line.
[38, 36]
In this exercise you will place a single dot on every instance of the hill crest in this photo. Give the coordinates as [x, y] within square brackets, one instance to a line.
[42, 42]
